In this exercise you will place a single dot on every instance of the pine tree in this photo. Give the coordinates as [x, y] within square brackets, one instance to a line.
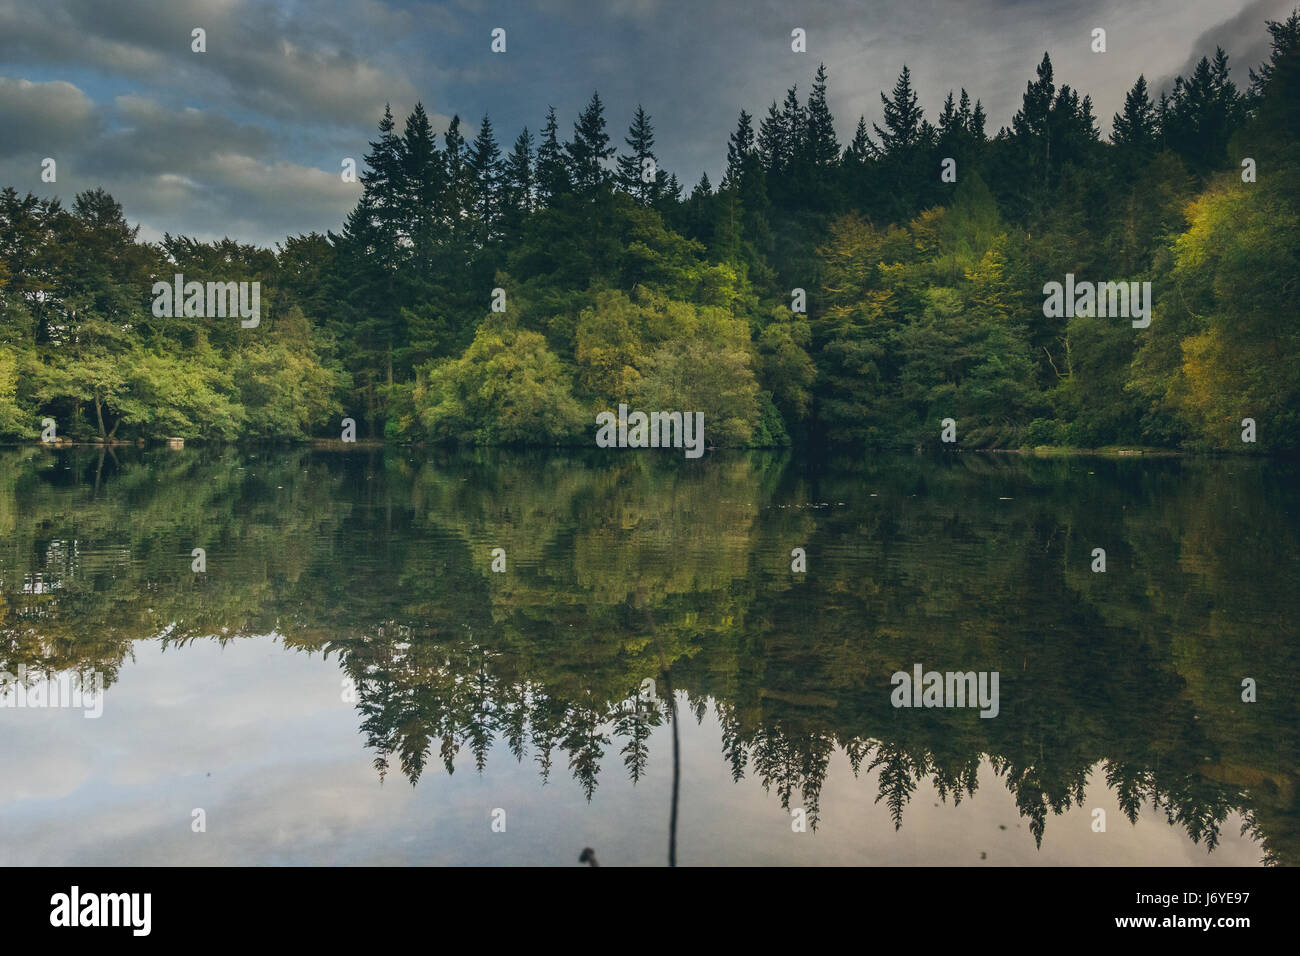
[1285, 50]
[423, 185]
[378, 225]
[822, 149]
[460, 187]
[949, 118]
[740, 148]
[590, 148]
[631, 167]
[484, 161]
[371, 250]
[1087, 119]
[700, 210]
[977, 121]
[772, 138]
[862, 148]
[663, 184]
[1275, 86]
[746, 186]
[1032, 117]
[1032, 127]
[1204, 112]
[517, 181]
[1072, 128]
[553, 178]
[905, 127]
[794, 119]
[955, 138]
[1136, 126]
[672, 190]
[1162, 119]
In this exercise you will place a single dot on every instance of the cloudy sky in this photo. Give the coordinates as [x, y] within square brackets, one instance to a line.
[246, 139]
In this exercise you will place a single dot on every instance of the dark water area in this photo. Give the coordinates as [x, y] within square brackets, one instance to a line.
[348, 680]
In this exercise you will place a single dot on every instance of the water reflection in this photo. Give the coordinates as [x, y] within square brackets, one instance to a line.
[630, 577]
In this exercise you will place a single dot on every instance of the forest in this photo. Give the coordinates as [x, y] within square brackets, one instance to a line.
[845, 293]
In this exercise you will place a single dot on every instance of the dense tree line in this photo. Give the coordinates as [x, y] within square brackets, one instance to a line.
[921, 296]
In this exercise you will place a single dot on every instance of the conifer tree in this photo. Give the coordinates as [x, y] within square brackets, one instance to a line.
[1032, 117]
[460, 186]
[423, 187]
[632, 166]
[378, 224]
[673, 189]
[590, 148]
[905, 126]
[794, 120]
[553, 178]
[740, 148]
[964, 110]
[1032, 128]
[861, 148]
[1135, 128]
[518, 180]
[1275, 86]
[772, 138]
[1204, 111]
[977, 121]
[484, 161]
[822, 148]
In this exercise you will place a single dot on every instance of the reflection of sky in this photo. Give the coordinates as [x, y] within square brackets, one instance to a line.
[291, 783]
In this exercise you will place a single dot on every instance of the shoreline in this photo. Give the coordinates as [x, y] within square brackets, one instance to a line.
[335, 444]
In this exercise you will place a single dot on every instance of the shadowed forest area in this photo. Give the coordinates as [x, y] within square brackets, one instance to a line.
[924, 298]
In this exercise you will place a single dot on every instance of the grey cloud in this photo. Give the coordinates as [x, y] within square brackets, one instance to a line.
[292, 66]
[152, 139]
[188, 171]
[41, 119]
[1243, 37]
[286, 91]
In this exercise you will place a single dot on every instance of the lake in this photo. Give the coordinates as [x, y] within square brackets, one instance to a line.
[347, 679]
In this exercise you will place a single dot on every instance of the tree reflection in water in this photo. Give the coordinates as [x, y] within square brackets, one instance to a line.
[628, 567]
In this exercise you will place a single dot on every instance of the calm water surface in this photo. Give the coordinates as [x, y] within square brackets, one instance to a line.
[350, 682]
